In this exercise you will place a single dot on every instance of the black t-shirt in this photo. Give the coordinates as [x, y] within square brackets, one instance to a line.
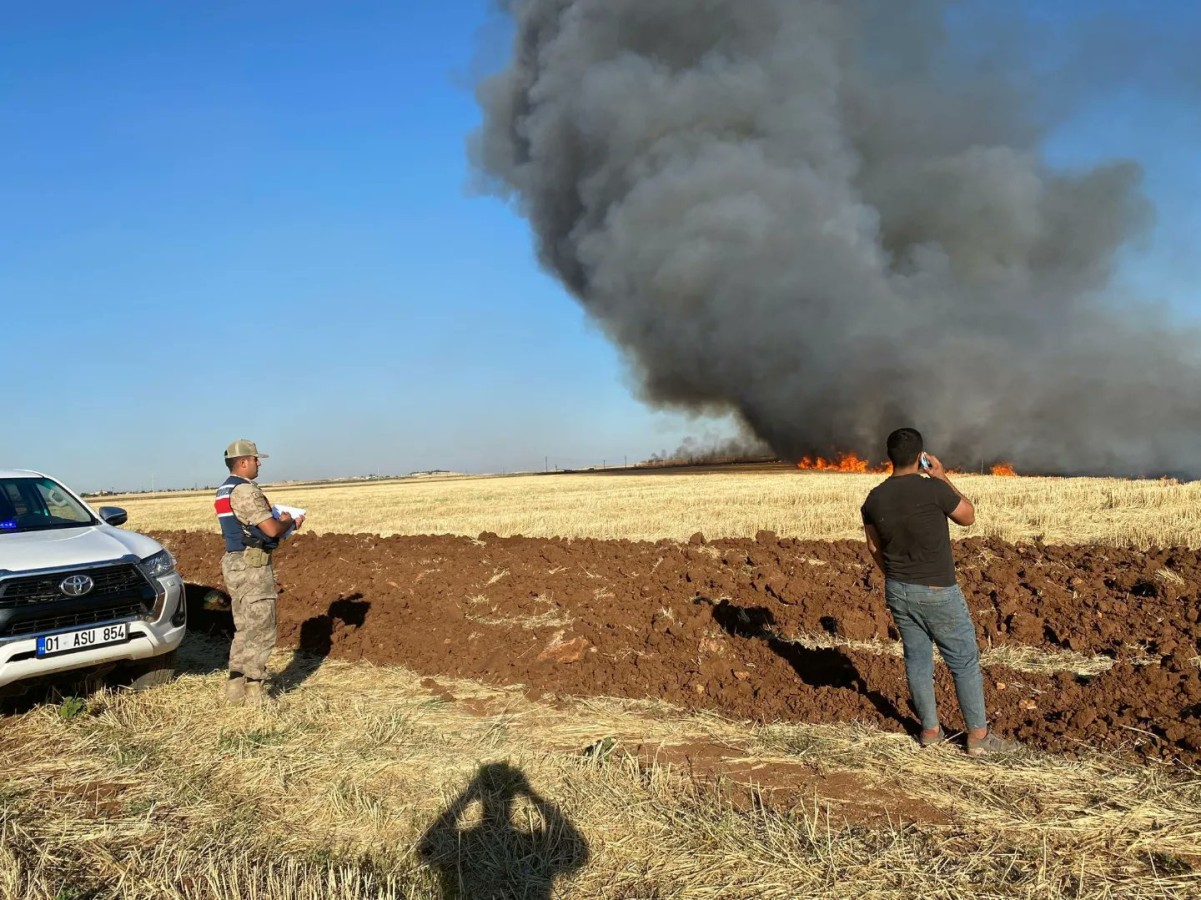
[910, 515]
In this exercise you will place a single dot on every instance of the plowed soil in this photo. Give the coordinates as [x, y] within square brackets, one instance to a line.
[710, 625]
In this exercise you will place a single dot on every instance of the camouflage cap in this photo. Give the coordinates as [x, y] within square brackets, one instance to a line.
[243, 447]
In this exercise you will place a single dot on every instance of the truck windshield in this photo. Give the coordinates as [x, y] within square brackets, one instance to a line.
[39, 504]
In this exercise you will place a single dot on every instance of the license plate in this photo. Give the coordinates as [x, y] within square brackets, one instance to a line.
[70, 641]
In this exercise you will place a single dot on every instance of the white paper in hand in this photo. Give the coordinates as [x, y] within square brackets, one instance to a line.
[295, 511]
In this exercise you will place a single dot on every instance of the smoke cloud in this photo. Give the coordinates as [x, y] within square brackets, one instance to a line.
[713, 449]
[820, 216]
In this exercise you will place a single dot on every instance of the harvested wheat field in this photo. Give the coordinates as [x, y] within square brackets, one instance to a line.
[366, 782]
[649, 504]
[723, 716]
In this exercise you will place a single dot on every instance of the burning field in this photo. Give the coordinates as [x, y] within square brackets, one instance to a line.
[817, 222]
[850, 463]
[1087, 647]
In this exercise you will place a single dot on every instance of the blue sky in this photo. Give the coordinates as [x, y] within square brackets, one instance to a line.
[251, 219]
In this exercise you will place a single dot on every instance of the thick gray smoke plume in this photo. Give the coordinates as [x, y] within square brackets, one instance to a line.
[807, 212]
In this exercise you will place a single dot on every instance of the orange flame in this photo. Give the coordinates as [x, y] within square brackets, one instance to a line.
[1005, 470]
[845, 462]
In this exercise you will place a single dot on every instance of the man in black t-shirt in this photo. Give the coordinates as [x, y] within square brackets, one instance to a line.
[905, 519]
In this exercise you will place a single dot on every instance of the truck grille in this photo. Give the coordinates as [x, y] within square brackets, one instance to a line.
[70, 620]
[111, 581]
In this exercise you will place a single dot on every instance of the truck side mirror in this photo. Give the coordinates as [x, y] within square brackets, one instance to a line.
[113, 515]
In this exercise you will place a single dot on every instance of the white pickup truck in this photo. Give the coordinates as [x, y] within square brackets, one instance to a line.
[76, 591]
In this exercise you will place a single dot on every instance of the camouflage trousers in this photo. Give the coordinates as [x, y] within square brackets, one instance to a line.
[252, 592]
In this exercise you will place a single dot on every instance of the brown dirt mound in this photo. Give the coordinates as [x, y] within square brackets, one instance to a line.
[702, 625]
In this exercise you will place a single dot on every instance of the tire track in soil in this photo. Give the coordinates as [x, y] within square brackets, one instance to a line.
[695, 624]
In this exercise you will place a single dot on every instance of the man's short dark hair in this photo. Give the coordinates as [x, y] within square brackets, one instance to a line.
[233, 461]
[904, 447]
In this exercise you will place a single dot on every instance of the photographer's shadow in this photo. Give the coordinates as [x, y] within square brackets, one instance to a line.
[496, 856]
[316, 640]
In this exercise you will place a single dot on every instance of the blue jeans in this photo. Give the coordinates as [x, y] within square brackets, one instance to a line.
[926, 616]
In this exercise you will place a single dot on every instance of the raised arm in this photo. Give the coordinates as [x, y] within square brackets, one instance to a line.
[965, 513]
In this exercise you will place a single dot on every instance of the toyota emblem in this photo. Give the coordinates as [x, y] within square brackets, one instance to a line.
[76, 585]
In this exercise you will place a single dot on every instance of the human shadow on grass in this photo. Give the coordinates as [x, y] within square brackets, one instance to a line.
[516, 845]
[816, 666]
[211, 629]
[316, 640]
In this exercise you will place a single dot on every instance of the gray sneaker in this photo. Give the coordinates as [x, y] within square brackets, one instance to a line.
[941, 738]
[990, 744]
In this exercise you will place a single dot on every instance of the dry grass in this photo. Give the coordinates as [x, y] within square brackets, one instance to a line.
[332, 793]
[818, 506]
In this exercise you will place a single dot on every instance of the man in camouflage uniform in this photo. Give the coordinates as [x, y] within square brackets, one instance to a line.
[251, 533]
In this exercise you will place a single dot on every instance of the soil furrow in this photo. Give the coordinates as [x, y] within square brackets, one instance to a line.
[703, 624]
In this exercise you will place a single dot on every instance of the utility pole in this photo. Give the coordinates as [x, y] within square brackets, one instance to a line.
[546, 464]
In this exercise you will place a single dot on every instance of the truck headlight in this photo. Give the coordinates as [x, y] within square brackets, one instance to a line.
[160, 565]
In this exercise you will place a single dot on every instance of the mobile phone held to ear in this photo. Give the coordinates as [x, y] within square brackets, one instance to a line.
[923, 462]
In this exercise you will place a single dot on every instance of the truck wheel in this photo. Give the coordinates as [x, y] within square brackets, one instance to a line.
[148, 673]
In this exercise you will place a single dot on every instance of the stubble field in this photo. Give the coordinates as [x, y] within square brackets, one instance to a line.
[739, 501]
[674, 685]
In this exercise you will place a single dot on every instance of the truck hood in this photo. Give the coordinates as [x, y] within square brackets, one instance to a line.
[59, 548]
